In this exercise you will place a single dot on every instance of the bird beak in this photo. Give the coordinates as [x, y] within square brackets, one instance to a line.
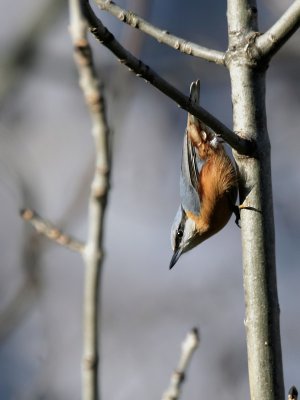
[175, 257]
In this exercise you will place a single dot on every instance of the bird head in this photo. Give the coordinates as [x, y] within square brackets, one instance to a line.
[184, 235]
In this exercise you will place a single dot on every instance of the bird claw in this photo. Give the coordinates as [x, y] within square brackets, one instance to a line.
[236, 211]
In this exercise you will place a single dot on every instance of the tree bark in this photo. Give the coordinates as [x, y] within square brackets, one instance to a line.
[257, 220]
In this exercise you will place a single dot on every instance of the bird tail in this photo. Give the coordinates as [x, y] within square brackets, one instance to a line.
[201, 136]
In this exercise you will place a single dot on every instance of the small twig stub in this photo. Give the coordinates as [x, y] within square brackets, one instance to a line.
[48, 229]
[188, 348]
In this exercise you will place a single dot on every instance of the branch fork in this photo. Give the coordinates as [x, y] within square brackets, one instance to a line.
[259, 48]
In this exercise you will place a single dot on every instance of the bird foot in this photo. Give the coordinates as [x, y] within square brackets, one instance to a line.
[236, 211]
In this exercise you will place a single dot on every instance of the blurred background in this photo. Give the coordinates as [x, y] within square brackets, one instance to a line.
[46, 163]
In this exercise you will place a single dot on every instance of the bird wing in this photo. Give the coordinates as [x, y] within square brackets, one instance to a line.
[190, 163]
[189, 177]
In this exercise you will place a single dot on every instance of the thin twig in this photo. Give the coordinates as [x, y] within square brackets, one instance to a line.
[160, 35]
[140, 69]
[293, 393]
[49, 230]
[188, 348]
[271, 41]
[93, 253]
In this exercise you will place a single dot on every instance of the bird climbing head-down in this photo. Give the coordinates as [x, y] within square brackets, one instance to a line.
[208, 186]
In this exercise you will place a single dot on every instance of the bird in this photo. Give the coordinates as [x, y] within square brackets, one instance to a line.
[208, 186]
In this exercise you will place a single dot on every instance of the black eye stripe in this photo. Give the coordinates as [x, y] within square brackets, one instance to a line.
[177, 241]
[180, 233]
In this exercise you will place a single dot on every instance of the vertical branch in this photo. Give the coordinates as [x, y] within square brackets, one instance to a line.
[258, 237]
[93, 253]
[188, 348]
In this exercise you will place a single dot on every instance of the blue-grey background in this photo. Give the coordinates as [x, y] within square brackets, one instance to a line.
[46, 163]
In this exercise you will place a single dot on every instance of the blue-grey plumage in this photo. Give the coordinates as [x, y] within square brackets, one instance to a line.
[189, 177]
[208, 186]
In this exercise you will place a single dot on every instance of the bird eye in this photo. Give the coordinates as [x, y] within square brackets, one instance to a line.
[180, 233]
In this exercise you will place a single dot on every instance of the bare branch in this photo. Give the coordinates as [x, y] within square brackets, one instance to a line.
[293, 393]
[93, 253]
[271, 41]
[49, 230]
[160, 35]
[188, 348]
[140, 69]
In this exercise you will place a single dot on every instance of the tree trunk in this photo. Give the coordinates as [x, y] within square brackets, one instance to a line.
[258, 238]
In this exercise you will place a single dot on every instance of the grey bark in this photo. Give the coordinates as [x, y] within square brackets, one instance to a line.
[258, 238]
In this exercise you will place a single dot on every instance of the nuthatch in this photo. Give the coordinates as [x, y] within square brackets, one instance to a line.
[208, 186]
